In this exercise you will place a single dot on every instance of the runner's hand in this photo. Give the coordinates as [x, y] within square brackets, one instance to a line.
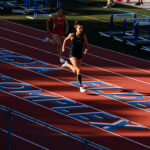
[85, 51]
[63, 49]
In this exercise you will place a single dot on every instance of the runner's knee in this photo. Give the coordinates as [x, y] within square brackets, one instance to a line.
[77, 69]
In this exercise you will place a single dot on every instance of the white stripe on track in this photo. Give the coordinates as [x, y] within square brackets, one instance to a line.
[87, 105]
[71, 84]
[29, 36]
[99, 68]
[71, 71]
[88, 44]
[79, 120]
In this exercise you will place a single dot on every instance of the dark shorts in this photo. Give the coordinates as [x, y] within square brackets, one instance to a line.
[77, 55]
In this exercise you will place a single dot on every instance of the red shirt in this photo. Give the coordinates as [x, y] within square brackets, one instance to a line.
[58, 25]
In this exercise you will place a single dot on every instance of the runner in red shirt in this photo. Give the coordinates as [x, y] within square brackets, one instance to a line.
[58, 27]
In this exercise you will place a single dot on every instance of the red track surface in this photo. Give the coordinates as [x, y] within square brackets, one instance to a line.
[100, 64]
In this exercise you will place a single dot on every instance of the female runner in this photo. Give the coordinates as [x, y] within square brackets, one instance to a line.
[78, 42]
[58, 27]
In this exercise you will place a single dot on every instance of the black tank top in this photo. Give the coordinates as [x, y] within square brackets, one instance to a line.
[77, 43]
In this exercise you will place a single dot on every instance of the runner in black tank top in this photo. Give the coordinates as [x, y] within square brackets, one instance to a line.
[78, 42]
[77, 46]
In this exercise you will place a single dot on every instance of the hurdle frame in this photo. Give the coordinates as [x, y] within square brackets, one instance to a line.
[36, 9]
[10, 3]
[142, 40]
[146, 48]
[27, 9]
[128, 36]
[111, 33]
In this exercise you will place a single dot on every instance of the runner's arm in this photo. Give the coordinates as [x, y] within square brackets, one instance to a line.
[64, 42]
[86, 44]
[67, 26]
[48, 23]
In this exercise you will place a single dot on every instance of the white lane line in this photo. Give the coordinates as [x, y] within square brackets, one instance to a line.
[89, 44]
[21, 25]
[71, 71]
[29, 36]
[99, 68]
[80, 120]
[73, 85]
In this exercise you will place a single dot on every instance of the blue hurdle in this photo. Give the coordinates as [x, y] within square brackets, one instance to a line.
[36, 9]
[142, 40]
[112, 32]
[127, 35]
[146, 48]
[7, 4]
[45, 5]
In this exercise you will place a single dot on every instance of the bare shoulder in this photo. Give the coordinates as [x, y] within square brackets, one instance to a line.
[51, 17]
[71, 35]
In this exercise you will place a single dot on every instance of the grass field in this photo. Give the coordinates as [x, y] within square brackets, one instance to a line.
[95, 19]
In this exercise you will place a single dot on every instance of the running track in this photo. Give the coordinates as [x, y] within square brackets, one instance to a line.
[114, 112]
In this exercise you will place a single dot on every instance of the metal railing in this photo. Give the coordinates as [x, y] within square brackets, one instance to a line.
[10, 111]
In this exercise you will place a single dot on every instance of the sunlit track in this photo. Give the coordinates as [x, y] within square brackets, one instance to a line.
[83, 63]
[65, 69]
[98, 68]
[93, 55]
[95, 134]
[90, 54]
[91, 46]
[29, 48]
[19, 43]
[54, 78]
[50, 111]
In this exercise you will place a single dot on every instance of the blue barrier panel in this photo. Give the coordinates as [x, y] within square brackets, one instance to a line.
[87, 142]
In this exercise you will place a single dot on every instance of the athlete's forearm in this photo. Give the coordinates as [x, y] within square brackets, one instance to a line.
[63, 45]
[48, 22]
[67, 27]
[47, 26]
[86, 48]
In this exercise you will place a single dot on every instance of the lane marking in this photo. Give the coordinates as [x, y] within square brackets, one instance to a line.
[74, 118]
[71, 71]
[28, 27]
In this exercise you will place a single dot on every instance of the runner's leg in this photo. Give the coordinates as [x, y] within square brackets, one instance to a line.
[57, 40]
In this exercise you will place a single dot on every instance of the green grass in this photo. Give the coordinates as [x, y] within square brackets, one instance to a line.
[95, 19]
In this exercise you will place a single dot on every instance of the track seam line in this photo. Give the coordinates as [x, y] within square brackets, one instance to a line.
[99, 68]
[68, 82]
[79, 120]
[87, 53]
[104, 130]
[81, 74]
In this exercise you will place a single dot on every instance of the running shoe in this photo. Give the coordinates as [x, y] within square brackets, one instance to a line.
[46, 39]
[64, 64]
[112, 4]
[107, 6]
[82, 89]
[62, 60]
